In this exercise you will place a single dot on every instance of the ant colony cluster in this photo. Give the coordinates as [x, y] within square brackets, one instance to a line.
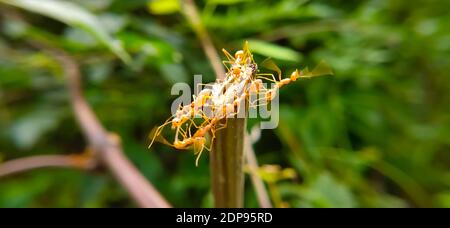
[195, 124]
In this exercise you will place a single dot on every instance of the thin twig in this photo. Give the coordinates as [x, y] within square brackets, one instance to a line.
[252, 164]
[109, 148]
[191, 13]
[43, 161]
[105, 146]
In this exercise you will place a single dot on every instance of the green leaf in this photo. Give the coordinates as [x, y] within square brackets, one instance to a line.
[325, 191]
[443, 199]
[27, 130]
[274, 51]
[73, 15]
[226, 2]
[161, 7]
[173, 72]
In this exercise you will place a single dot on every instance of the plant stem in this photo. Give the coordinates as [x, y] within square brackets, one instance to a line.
[258, 184]
[43, 161]
[191, 12]
[227, 155]
[227, 158]
[106, 145]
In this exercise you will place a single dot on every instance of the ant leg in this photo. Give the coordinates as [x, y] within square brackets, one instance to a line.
[220, 128]
[257, 103]
[267, 74]
[203, 116]
[190, 125]
[210, 147]
[228, 55]
[159, 130]
[199, 154]
[189, 130]
[183, 132]
[247, 51]
[226, 63]
[203, 84]
[270, 64]
[260, 86]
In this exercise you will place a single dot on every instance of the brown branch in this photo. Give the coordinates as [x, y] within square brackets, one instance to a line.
[252, 164]
[127, 174]
[106, 146]
[191, 13]
[42, 161]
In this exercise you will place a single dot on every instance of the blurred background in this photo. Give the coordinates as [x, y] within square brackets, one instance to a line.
[377, 134]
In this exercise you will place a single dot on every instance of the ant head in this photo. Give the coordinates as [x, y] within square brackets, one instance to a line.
[236, 70]
[254, 68]
[239, 54]
[175, 123]
[295, 75]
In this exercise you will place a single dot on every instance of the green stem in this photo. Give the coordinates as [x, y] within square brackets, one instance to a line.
[226, 163]
[276, 197]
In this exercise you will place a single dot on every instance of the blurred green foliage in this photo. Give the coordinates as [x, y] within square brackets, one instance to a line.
[377, 134]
